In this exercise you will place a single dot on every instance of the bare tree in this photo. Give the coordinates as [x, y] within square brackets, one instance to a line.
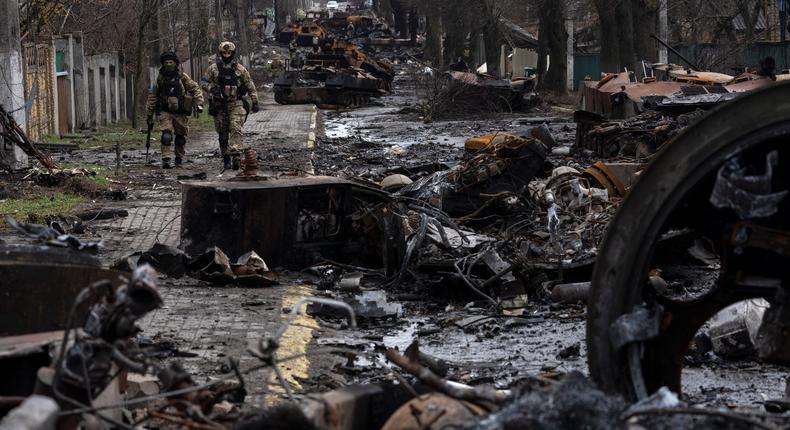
[625, 27]
[146, 10]
[552, 42]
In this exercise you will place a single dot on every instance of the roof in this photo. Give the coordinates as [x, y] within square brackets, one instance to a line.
[517, 36]
[740, 24]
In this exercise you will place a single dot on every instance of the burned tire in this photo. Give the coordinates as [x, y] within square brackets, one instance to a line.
[676, 189]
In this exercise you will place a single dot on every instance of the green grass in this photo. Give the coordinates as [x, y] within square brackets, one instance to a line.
[102, 172]
[39, 207]
[122, 132]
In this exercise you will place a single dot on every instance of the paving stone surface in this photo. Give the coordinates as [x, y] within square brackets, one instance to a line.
[211, 323]
[280, 135]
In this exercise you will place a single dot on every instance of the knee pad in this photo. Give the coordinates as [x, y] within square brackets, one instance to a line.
[167, 137]
[181, 140]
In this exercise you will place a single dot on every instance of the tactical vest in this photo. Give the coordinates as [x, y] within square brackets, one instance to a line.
[229, 80]
[171, 94]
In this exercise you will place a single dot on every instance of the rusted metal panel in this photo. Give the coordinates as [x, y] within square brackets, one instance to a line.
[597, 96]
[749, 85]
[39, 285]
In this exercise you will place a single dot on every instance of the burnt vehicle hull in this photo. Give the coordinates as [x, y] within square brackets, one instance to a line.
[32, 301]
[291, 223]
[326, 87]
[335, 72]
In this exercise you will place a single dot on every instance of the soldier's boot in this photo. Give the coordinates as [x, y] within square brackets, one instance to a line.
[236, 162]
[167, 141]
[223, 146]
[181, 142]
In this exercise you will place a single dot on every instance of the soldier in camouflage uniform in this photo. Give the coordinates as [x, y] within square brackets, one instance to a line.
[172, 98]
[229, 82]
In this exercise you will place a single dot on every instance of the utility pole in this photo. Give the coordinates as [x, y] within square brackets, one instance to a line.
[570, 48]
[12, 86]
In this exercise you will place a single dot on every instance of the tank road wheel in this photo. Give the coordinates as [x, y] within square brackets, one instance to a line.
[638, 331]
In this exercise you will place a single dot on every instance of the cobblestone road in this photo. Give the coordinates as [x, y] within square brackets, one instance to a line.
[211, 323]
[283, 136]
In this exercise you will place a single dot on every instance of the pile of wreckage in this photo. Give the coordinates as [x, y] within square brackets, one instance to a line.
[507, 225]
[327, 68]
[459, 93]
[621, 116]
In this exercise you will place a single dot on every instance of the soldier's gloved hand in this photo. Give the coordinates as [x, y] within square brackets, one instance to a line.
[255, 107]
[149, 120]
[198, 110]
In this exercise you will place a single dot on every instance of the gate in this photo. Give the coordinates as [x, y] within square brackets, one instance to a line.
[39, 70]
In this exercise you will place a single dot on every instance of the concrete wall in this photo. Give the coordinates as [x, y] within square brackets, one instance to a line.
[106, 96]
[523, 58]
[12, 85]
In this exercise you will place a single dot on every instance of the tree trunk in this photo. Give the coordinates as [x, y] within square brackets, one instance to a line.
[140, 82]
[626, 26]
[385, 11]
[554, 39]
[277, 23]
[626, 33]
[414, 23]
[492, 34]
[218, 21]
[401, 11]
[610, 47]
[241, 28]
[433, 42]
[456, 27]
[645, 21]
[147, 12]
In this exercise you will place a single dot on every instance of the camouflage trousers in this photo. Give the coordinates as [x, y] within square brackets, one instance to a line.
[235, 127]
[178, 125]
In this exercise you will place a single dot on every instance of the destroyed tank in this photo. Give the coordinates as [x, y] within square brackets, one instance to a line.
[338, 73]
[327, 86]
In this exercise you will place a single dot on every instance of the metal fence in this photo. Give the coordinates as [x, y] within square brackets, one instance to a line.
[733, 58]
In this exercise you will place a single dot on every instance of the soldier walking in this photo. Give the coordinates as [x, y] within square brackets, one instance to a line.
[172, 98]
[229, 82]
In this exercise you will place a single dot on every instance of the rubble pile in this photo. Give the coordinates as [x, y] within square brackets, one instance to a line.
[636, 137]
[458, 94]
